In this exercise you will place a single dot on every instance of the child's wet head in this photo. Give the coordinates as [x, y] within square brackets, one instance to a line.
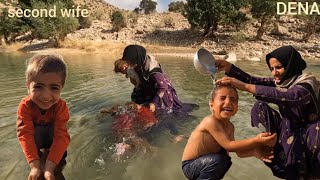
[120, 66]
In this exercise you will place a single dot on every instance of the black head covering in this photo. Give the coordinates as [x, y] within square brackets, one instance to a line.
[135, 54]
[290, 59]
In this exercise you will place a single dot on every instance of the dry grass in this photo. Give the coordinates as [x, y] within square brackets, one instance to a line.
[102, 47]
[111, 47]
[13, 47]
[91, 46]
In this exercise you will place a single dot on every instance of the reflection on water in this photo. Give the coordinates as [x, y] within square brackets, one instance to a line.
[92, 85]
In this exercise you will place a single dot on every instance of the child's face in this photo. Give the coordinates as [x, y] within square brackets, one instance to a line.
[225, 103]
[124, 68]
[45, 89]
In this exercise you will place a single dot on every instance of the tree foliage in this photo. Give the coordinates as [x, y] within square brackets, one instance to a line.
[11, 27]
[148, 6]
[178, 7]
[52, 27]
[208, 14]
[40, 27]
[263, 10]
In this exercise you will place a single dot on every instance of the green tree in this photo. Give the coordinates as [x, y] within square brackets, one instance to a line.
[312, 23]
[11, 27]
[52, 27]
[207, 14]
[148, 6]
[118, 20]
[263, 10]
[85, 22]
[178, 7]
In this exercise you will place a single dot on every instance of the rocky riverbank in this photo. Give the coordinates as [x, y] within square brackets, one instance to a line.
[171, 34]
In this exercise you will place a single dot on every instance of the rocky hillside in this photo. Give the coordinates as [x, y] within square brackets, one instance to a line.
[173, 30]
[97, 7]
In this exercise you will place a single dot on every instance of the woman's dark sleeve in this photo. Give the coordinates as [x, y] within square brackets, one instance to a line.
[247, 78]
[294, 96]
[161, 87]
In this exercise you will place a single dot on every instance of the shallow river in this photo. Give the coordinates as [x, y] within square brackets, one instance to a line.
[91, 86]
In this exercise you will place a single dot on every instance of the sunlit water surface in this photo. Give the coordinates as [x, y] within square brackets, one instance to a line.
[91, 86]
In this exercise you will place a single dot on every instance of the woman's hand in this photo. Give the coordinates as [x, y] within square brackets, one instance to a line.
[232, 81]
[251, 88]
[152, 107]
[223, 65]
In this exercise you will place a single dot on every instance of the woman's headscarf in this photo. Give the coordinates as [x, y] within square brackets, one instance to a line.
[290, 59]
[146, 65]
[135, 54]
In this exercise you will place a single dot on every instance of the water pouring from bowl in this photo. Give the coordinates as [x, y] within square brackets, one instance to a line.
[204, 63]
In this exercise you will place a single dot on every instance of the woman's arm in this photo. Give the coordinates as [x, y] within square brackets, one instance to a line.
[161, 87]
[233, 71]
[294, 96]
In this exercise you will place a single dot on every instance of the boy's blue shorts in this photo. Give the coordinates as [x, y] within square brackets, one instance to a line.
[212, 166]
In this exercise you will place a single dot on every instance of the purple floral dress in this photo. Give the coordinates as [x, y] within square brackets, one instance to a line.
[297, 123]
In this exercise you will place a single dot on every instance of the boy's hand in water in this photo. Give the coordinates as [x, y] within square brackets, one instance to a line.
[35, 172]
[267, 139]
[223, 65]
[264, 153]
[49, 175]
[49, 170]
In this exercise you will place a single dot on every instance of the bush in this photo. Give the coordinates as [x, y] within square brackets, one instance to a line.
[85, 22]
[133, 17]
[118, 21]
[238, 37]
[98, 14]
[168, 22]
[178, 7]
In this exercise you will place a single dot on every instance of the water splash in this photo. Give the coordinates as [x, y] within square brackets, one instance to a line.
[213, 77]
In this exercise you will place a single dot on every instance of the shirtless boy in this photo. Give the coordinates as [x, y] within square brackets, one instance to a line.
[206, 155]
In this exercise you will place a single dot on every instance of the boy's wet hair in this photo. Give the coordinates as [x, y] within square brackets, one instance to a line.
[217, 87]
[46, 63]
[118, 65]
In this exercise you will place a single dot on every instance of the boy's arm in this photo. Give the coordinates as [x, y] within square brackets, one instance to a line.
[25, 132]
[61, 138]
[220, 135]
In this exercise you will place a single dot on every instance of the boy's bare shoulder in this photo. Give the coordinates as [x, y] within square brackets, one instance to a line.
[207, 122]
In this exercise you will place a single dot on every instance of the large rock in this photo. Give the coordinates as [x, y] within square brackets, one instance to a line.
[280, 30]
[231, 57]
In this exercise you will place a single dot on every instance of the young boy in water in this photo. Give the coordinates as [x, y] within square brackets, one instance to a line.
[42, 117]
[120, 66]
[206, 153]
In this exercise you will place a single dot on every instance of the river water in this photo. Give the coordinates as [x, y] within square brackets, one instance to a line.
[92, 85]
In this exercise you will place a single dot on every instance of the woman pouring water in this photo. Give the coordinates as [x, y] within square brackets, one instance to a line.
[297, 122]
